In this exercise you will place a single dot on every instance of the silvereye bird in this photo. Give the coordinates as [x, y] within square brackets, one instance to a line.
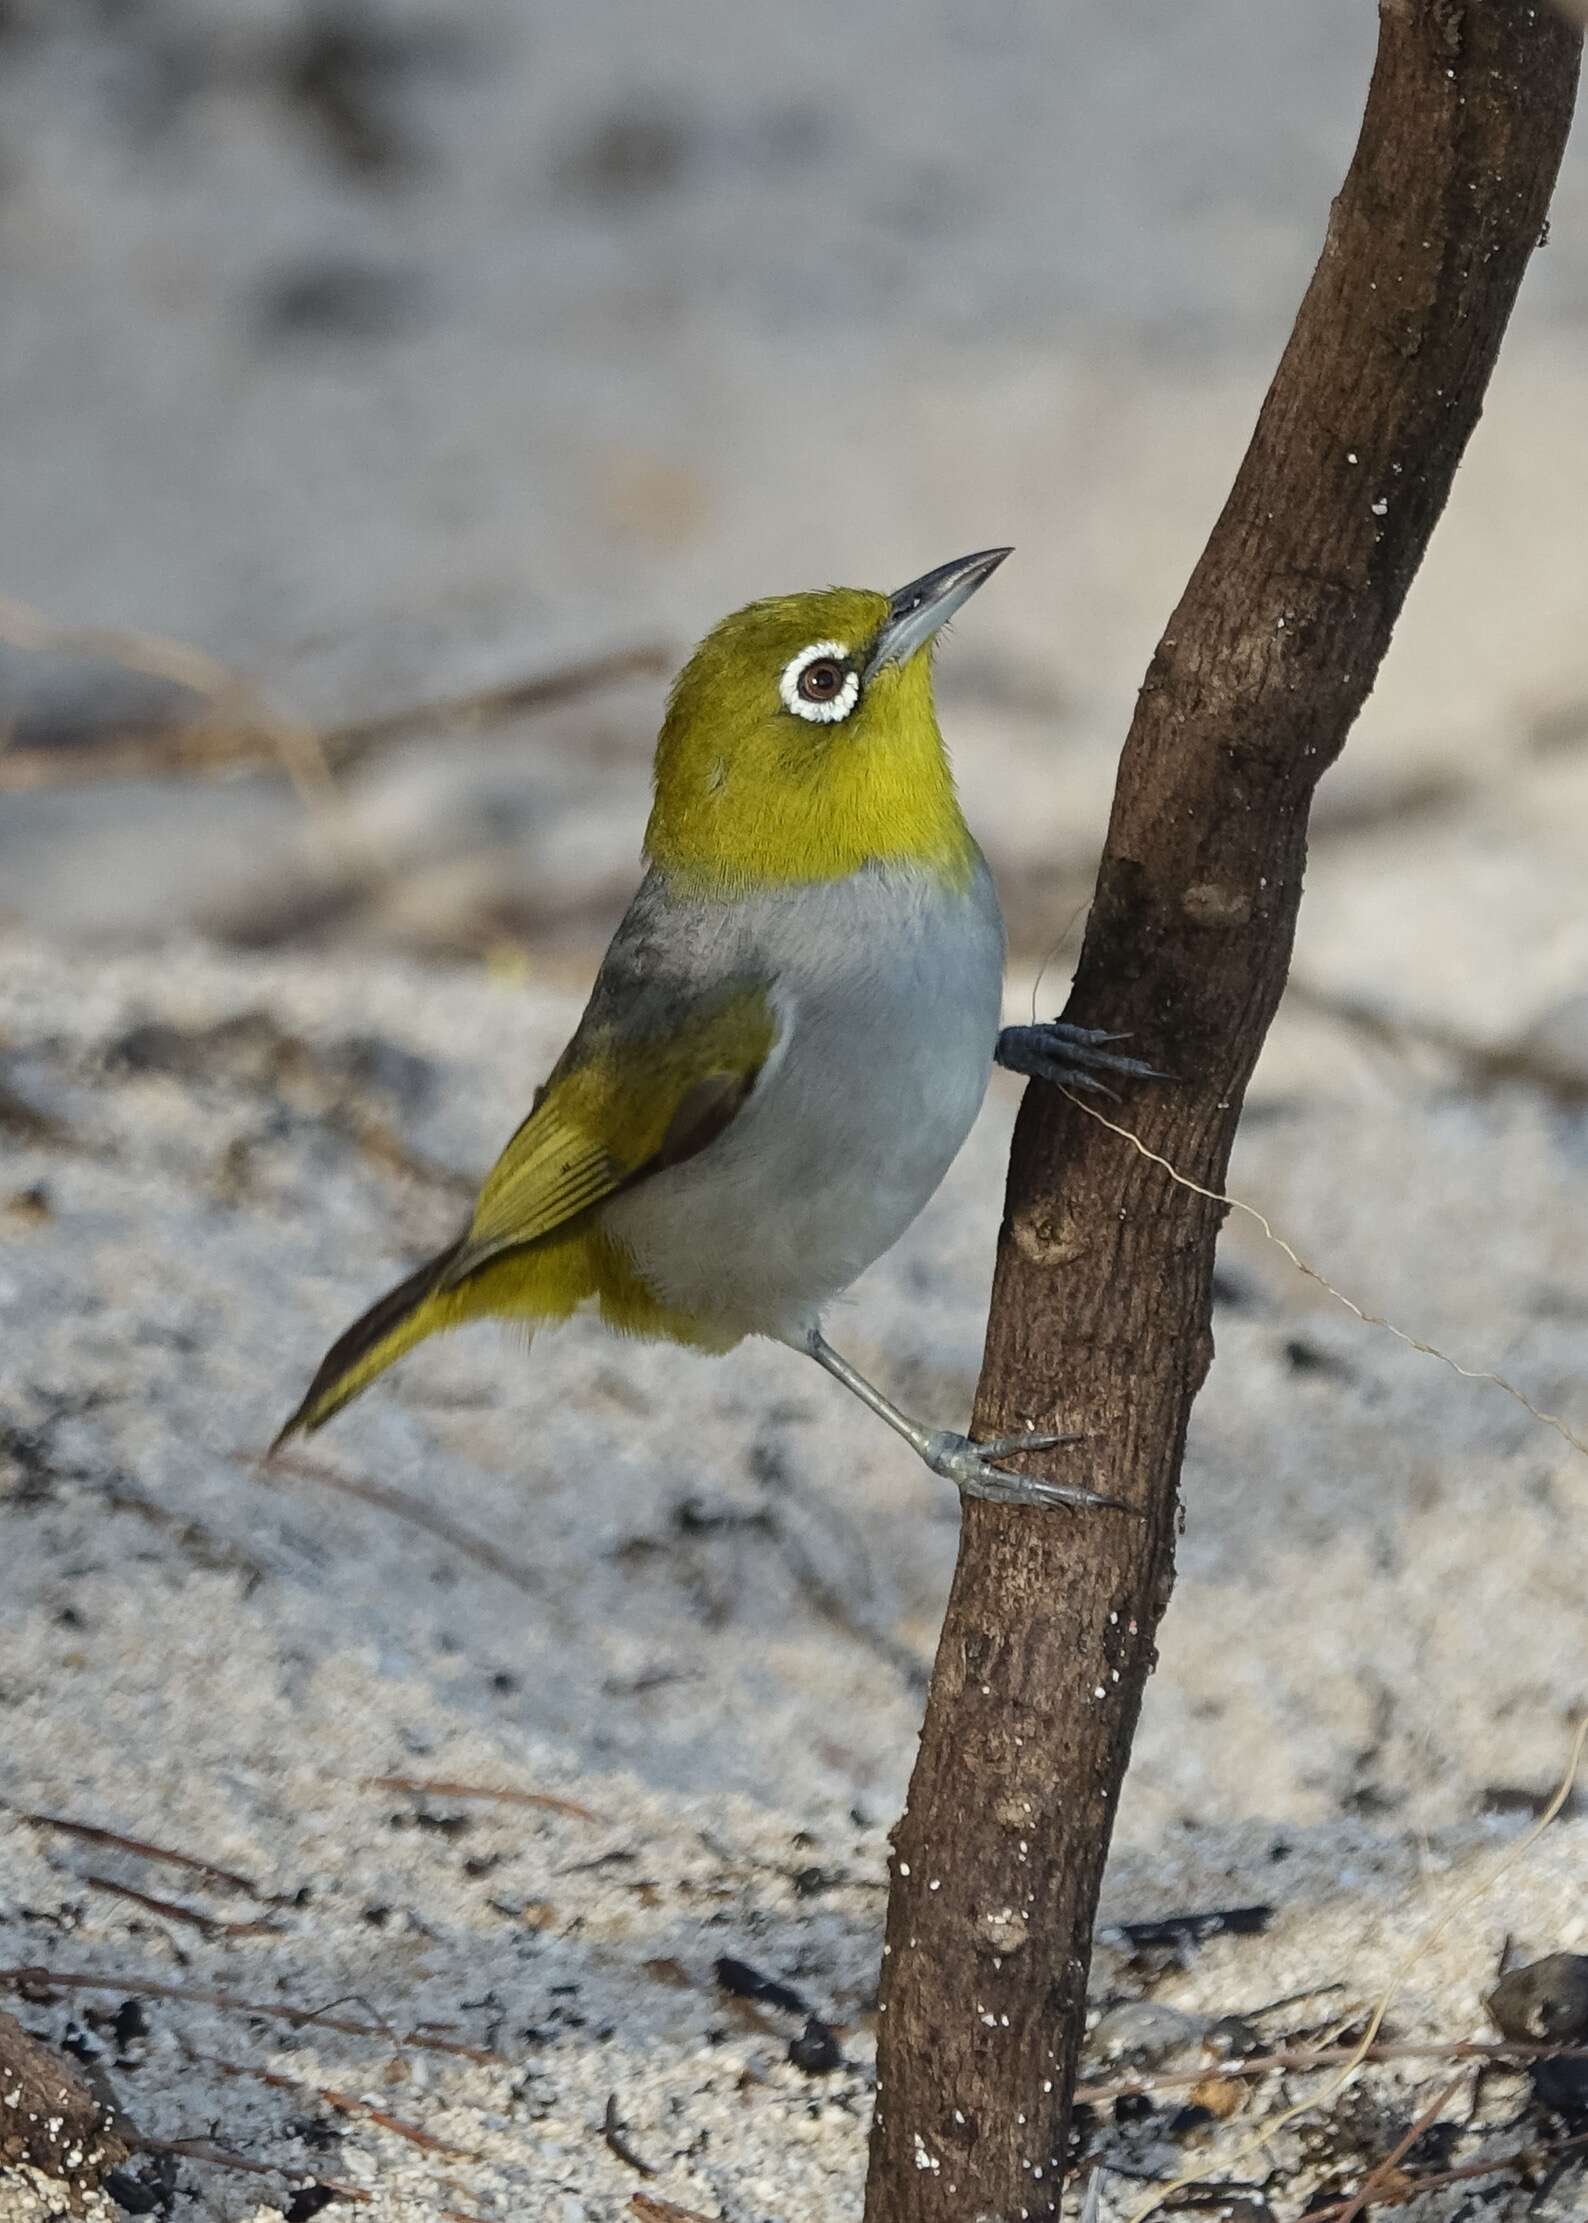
[788, 1039]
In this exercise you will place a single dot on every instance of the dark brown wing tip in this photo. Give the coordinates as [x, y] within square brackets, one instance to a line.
[320, 1402]
[298, 1425]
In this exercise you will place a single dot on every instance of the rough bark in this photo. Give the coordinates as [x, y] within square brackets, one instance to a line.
[50, 2120]
[1101, 1310]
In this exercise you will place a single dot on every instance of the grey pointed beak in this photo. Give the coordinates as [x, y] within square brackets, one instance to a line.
[919, 610]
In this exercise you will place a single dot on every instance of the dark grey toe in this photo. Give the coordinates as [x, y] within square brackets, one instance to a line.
[1074, 1056]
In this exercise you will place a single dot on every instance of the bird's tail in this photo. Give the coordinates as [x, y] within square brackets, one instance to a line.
[422, 1305]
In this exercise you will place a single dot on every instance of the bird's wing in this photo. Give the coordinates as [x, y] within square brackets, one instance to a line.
[624, 1102]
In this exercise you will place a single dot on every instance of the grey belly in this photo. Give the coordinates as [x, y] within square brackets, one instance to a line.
[880, 1071]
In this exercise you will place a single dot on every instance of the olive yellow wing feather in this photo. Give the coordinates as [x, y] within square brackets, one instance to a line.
[623, 1103]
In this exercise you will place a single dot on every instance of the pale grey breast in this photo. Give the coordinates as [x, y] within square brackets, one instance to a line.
[887, 987]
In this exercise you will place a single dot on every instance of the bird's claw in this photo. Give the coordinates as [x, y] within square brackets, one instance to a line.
[1071, 1056]
[970, 1467]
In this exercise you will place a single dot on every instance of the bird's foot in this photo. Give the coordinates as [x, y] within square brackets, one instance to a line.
[970, 1467]
[1070, 1056]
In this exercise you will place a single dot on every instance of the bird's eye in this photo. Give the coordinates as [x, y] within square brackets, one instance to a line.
[820, 683]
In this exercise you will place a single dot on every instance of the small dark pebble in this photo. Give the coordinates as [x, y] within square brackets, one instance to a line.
[1522, 1798]
[816, 2050]
[134, 2196]
[1562, 2087]
[131, 2021]
[1545, 2001]
[315, 2132]
[307, 2202]
[372, 1061]
[744, 1982]
[630, 154]
[1193, 1929]
[338, 299]
[1233, 2036]
[1308, 1358]
[1434, 2148]
[443, 1825]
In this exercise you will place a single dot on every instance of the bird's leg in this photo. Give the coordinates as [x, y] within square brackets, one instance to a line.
[1074, 1057]
[967, 1464]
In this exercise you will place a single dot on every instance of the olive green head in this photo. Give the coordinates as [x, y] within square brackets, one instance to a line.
[800, 741]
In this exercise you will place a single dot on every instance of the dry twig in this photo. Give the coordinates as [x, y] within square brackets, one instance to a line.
[341, 2103]
[240, 730]
[212, 1925]
[222, 2157]
[392, 1500]
[440, 1786]
[91, 1834]
[1382, 2177]
[614, 2131]
[1413, 2188]
[1310, 2060]
[32, 1975]
[651, 2210]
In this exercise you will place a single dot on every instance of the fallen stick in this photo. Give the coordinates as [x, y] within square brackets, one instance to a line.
[91, 1834]
[34, 1976]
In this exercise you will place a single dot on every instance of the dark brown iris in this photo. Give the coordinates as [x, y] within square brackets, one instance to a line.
[819, 682]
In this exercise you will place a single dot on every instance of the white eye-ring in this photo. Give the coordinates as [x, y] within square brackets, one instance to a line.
[820, 683]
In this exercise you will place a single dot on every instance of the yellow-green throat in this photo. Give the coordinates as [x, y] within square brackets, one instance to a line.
[801, 742]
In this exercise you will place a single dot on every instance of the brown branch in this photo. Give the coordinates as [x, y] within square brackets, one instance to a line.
[441, 1786]
[1384, 2175]
[1413, 2188]
[30, 1976]
[488, 706]
[92, 1834]
[614, 2132]
[340, 2103]
[221, 2157]
[237, 729]
[1312, 2060]
[1101, 1308]
[212, 1925]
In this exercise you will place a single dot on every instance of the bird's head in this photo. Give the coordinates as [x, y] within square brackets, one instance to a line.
[800, 741]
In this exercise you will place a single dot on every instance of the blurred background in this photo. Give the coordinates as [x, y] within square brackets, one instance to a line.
[443, 371]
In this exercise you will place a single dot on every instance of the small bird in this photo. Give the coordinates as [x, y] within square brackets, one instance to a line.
[788, 1039]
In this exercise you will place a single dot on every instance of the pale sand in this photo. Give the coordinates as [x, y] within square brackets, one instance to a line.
[1378, 1622]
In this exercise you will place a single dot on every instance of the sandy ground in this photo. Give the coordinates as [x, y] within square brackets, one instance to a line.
[693, 1598]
